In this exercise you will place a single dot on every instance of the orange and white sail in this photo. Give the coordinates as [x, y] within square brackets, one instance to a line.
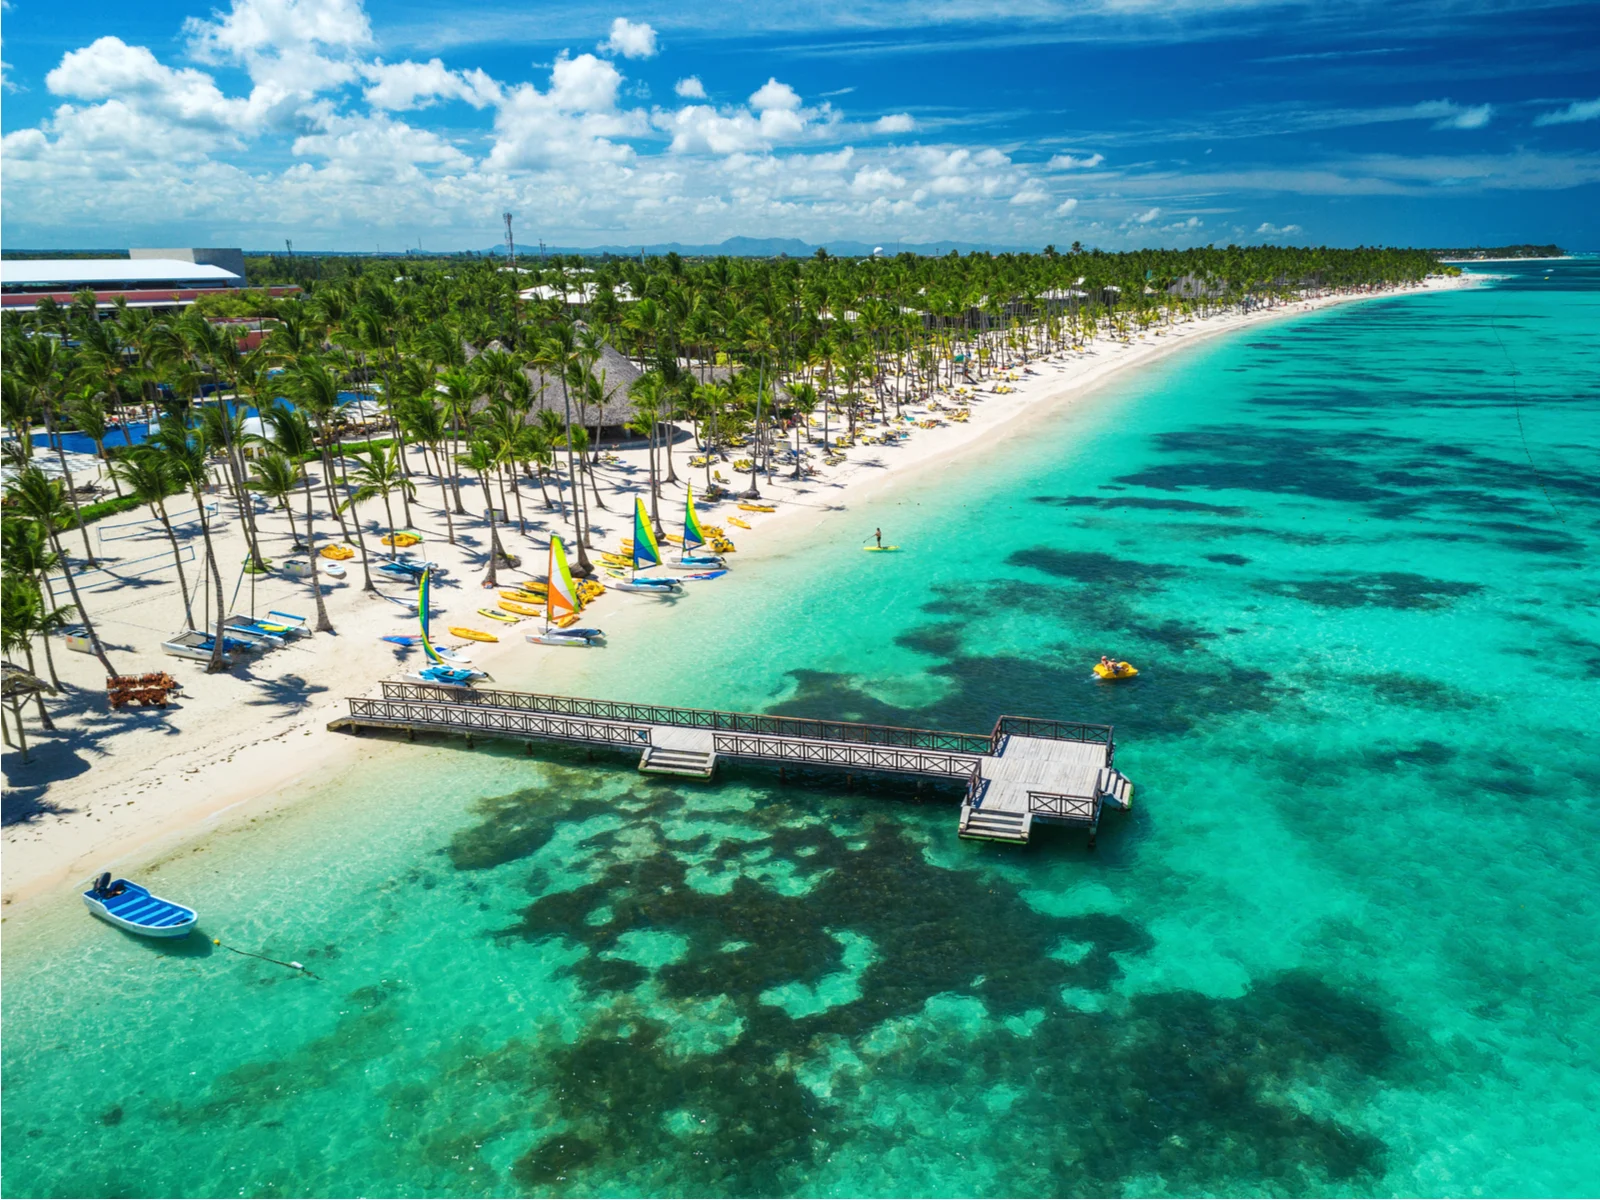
[561, 597]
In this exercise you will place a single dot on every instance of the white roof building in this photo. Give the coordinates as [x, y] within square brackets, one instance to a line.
[69, 274]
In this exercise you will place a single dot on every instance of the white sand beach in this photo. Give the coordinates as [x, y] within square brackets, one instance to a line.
[109, 787]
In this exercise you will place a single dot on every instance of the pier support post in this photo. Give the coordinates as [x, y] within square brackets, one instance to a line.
[411, 735]
[527, 748]
[782, 776]
[469, 741]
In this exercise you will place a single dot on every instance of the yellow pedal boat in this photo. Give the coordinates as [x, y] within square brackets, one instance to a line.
[1120, 670]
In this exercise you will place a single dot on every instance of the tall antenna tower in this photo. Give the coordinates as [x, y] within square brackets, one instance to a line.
[511, 245]
[289, 246]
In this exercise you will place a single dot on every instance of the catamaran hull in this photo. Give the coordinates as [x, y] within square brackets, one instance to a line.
[666, 587]
[567, 637]
[698, 562]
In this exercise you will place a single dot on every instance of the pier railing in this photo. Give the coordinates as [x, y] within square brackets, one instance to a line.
[447, 713]
[760, 724]
[1084, 809]
[1059, 731]
[799, 751]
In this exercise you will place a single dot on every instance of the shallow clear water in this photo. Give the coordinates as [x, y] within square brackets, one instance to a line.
[1343, 944]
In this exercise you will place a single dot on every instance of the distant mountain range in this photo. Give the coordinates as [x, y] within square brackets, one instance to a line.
[772, 247]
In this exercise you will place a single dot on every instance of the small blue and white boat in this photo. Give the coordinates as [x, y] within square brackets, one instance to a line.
[126, 905]
[447, 676]
[697, 562]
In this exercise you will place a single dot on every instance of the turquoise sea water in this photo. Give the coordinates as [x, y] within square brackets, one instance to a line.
[1345, 942]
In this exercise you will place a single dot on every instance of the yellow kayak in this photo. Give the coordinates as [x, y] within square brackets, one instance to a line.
[522, 596]
[402, 539]
[758, 507]
[1121, 671]
[338, 553]
[495, 614]
[473, 635]
[742, 524]
[526, 610]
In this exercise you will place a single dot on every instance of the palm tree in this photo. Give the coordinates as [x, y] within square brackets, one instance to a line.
[276, 477]
[802, 399]
[553, 355]
[292, 436]
[28, 616]
[44, 499]
[28, 554]
[379, 475]
[150, 479]
[41, 366]
[423, 419]
[480, 458]
[88, 411]
[186, 460]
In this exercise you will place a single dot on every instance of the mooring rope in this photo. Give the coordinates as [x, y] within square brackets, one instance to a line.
[293, 966]
[1516, 407]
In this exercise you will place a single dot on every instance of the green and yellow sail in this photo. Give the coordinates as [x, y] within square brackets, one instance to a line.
[422, 613]
[693, 535]
[645, 551]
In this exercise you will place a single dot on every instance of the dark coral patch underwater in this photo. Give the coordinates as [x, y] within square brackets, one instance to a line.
[1186, 1086]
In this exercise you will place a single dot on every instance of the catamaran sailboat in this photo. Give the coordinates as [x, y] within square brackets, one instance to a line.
[646, 553]
[439, 670]
[693, 536]
[561, 602]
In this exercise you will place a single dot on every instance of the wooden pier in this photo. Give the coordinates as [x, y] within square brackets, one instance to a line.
[1024, 770]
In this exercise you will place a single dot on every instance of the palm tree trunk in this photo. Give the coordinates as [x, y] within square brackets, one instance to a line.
[177, 560]
[22, 734]
[361, 544]
[72, 495]
[495, 552]
[216, 664]
[323, 624]
[77, 602]
[444, 491]
[45, 722]
[388, 511]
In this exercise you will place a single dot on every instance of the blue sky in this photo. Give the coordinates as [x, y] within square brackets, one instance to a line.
[354, 126]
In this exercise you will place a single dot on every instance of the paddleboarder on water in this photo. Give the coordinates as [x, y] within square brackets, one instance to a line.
[878, 534]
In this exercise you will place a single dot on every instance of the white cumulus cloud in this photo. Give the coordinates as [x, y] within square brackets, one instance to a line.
[894, 123]
[1067, 206]
[1067, 162]
[1574, 113]
[406, 85]
[1031, 193]
[630, 40]
[1148, 216]
[690, 88]
[1447, 114]
[1269, 230]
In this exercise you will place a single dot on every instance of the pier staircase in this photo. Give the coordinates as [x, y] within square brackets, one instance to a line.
[687, 752]
[995, 825]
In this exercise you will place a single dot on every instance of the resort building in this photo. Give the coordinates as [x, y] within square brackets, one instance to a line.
[165, 279]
